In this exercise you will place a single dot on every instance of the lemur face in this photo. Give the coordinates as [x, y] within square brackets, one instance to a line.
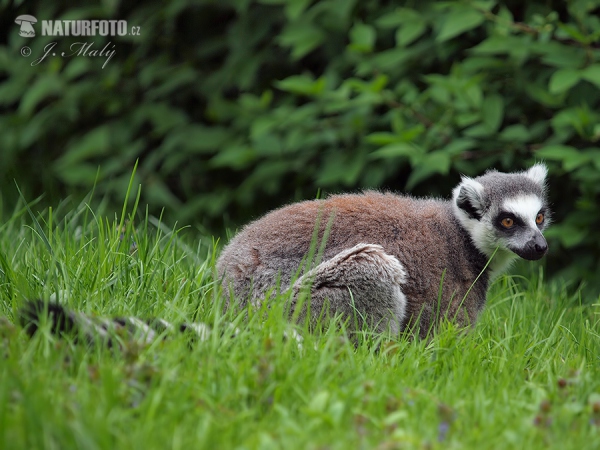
[505, 213]
[519, 223]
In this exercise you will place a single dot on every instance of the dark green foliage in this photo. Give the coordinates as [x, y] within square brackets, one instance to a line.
[234, 107]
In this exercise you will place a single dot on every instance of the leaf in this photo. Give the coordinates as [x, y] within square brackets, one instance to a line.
[492, 112]
[464, 119]
[576, 160]
[302, 38]
[435, 162]
[410, 134]
[382, 138]
[515, 133]
[570, 157]
[160, 193]
[563, 79]
[301, 84]
[173, 84]
[485, 5]
[556, 152]
[42, 88]
[458, 146]
[458, 21]
[262, 125]
[394, 151]
[195, 138]
[392, 59]
[398, 17]
[561, 56]
[338, 167]
[362, 38]
[267, 145]
[541, 95]
[294, 9]
[570, 235]
[379, 83]
[573, 33]
[596, 133]
[236, 157]
[410, 31]
[77, 176]
[95, 143]
[495, 45]
[592, 74]
[478, 131]
[504, 22]
[76, 68]
[472, 94]
[163, 116]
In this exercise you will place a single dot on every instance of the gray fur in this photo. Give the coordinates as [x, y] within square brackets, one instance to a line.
[393, 260]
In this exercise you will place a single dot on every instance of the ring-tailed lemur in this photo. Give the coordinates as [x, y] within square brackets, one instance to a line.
[393, 261]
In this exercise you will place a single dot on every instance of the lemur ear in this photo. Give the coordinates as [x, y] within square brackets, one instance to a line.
[537, 173]
[468, 196]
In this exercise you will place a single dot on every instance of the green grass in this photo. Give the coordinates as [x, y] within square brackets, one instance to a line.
[526, 376]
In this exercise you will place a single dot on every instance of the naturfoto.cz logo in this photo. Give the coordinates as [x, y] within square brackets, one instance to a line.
[75, 27]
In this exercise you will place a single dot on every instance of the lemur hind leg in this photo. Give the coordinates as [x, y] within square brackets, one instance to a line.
[362, 283]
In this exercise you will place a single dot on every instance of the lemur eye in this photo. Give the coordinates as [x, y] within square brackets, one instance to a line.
[507, 222]
[539, 219]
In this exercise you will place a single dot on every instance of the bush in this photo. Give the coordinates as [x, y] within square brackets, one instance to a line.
[234, 107]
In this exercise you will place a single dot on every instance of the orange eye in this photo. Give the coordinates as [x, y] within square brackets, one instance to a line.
[507, 222]
[539, 219]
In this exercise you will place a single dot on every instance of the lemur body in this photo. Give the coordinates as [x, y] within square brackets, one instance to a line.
[393, 260]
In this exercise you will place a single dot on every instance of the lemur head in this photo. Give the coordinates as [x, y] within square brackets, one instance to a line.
[505, 211]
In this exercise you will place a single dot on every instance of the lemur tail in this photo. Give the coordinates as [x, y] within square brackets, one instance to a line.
[110, 331]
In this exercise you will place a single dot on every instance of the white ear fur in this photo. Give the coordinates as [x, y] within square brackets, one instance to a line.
[473, 189]
[469, 194]
[537, 173]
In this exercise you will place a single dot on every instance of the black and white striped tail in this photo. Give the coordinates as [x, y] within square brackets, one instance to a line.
[63, 321]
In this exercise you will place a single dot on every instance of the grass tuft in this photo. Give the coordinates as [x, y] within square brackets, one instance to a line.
[526, 376]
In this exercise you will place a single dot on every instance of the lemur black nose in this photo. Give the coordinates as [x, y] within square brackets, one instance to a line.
[536, 247]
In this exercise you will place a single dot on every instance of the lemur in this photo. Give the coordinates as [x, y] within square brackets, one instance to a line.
[389, 262]
[394, 261]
